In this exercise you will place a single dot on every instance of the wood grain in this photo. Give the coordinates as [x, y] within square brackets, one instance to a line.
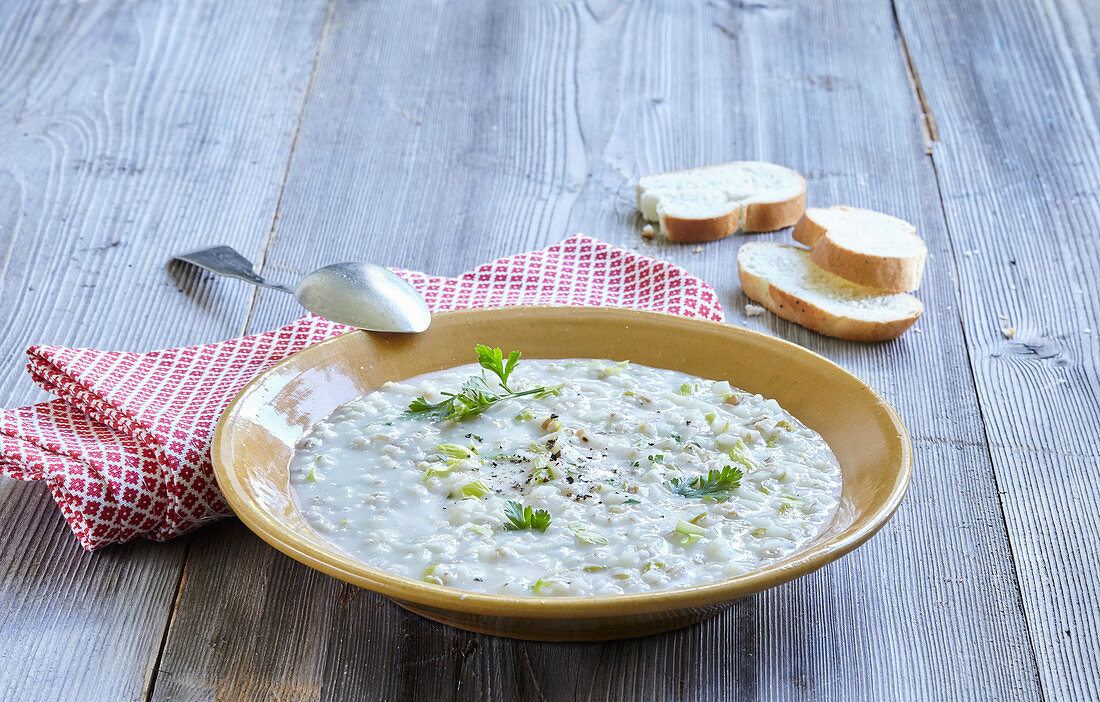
[485, 130]
[1019, 173]
[130, 131]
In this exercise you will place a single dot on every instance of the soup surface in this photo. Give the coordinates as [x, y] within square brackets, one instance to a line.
[564, 477]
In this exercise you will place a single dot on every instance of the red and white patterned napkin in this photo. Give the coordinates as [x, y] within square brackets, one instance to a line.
[125, 449]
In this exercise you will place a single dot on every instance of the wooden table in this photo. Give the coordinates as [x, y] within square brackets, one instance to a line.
[437, 135]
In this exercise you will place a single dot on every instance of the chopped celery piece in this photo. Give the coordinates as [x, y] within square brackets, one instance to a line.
[689, 531]
[541, 585]
[456, 451]
[476, 489]
[739, 454]
[430, 576]
[483, 529]
[586, 535]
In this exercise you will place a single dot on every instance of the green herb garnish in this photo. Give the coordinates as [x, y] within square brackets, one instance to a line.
[476, 395]
[716, 485]
[520, 517]
[493, 360]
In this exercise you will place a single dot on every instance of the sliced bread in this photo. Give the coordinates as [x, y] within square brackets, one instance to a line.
[785, 280]
[715, 201]
[864, 246]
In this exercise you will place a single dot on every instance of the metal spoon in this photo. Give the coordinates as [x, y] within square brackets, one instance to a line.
[360, 295]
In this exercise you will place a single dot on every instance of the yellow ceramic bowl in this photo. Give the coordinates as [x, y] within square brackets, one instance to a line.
[255, 440]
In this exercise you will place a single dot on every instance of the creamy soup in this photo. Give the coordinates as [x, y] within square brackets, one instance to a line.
[564, 477]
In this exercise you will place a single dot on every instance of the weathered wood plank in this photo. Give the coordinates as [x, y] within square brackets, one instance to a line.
[129, 131]
[485, 130]
[1011, 87]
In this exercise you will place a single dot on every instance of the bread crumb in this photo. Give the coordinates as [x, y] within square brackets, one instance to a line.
[1008, 332]
[753, 310]
[698, 249]
[647, 231]
[917, 330]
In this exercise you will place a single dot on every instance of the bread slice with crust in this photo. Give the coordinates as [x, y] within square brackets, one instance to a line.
[713, 202]
[785, 280]
[864, 246]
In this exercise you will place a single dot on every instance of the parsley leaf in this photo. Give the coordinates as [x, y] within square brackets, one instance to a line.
[421, 408]
[520, 517]
[716, 485]
[476, 395]
[493, 360]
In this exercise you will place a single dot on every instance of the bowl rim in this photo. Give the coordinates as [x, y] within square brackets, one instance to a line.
[412, 591]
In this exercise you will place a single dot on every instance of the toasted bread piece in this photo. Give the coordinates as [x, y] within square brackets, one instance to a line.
[785, 280]
[713, 202]
[864, 246]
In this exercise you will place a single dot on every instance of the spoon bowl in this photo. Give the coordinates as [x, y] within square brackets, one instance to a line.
[365, 296]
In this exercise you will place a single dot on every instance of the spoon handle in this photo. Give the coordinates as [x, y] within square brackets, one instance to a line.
[225, 261]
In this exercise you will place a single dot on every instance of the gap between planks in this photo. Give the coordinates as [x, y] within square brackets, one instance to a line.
[151, 683]
[325, 25]
[931, 134]
[927, 120]
[150, 687]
